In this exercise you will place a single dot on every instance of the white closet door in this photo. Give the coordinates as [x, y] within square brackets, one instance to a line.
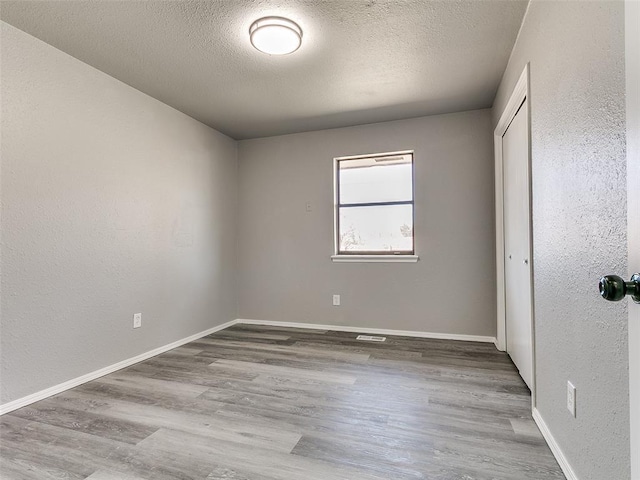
[515, 150]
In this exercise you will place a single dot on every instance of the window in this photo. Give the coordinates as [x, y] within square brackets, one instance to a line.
[374, 205]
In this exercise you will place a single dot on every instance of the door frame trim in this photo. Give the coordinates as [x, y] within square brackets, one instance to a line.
[520, 94]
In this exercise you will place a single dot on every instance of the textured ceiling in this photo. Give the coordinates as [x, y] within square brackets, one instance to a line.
[360, 61]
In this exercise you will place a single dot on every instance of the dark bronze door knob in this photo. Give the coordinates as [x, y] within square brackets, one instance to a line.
[614, 288]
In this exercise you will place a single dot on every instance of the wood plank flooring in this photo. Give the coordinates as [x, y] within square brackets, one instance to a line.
[269, 403]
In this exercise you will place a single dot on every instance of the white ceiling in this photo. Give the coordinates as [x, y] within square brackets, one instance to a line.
[361, 61]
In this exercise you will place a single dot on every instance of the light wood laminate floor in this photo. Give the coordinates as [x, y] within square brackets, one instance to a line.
[268, 403]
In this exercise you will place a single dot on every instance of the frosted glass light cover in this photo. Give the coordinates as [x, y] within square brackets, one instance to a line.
[275, 35]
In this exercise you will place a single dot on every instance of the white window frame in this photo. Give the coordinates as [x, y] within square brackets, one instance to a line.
[368, 257]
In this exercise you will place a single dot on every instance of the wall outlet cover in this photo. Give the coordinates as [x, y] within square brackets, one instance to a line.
[137, 320]
[336, 300]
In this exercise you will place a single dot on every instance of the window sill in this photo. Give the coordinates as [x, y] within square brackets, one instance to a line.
[375, 258]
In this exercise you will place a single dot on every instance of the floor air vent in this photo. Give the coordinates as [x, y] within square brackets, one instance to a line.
[370, 338]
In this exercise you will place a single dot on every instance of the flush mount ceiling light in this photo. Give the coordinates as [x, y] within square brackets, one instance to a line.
[275, 35]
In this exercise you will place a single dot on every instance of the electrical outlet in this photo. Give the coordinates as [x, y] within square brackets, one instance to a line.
[137, 320]
[336, 300]
[571, 398]
[307, 206]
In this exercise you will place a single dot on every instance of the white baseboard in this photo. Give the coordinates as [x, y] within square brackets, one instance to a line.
[48, 392]
[376, 331]
[553, 445]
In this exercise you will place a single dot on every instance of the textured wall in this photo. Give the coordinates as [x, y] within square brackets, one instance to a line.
[112, 203]
[285, 270]
[576, 50]
[632, 73]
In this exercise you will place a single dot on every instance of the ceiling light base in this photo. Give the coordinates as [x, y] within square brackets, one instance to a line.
[275, 35]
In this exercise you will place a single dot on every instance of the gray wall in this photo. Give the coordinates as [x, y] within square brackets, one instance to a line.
[112, 203]
[285, 270]
[576, 50]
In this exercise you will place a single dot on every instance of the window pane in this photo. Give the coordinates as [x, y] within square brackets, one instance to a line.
[387, 228]
[365, 180]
